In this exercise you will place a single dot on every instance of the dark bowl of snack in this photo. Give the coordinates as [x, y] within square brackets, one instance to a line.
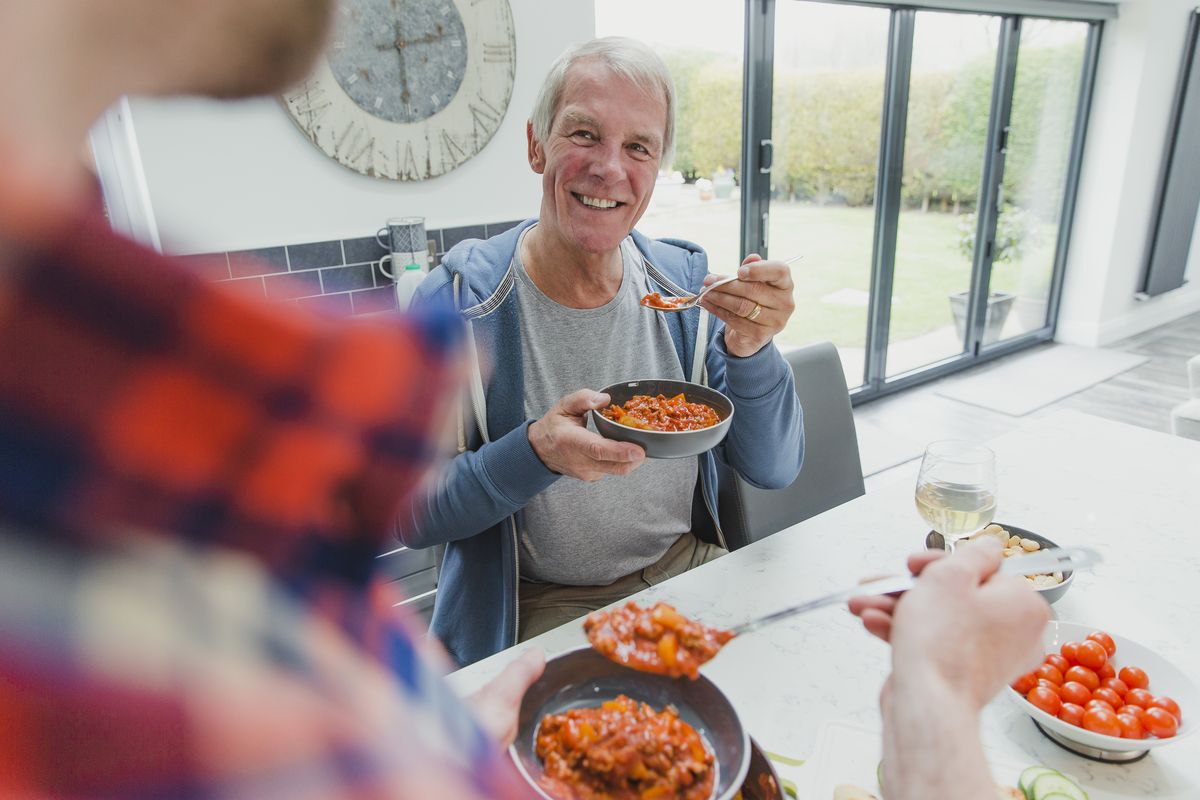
[1016, 542]
[590, 727]
[762, 781]
[668, 419]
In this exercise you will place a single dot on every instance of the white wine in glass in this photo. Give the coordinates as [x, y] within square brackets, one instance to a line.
[956, 488]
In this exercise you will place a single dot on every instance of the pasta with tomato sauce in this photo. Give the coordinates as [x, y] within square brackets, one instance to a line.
[623, 750]
[658, 639]
[661, 413]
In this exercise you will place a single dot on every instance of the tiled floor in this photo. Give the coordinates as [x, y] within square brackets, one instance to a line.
[892, 432]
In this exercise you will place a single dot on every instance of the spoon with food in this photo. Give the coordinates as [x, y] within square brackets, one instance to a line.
[656, 301]
[663, 641]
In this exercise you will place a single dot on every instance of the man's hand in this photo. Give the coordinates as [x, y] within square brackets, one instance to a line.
[754, 308]
[962, 625]
[498, 703]
[565, 445]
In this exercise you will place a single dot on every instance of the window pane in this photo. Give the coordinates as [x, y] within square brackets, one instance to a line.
[954, 60]
[830, 62]
[701, 40]
[1049, 65]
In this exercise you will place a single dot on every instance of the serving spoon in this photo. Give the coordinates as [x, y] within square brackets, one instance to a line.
[707, 641]
[671, 303]
[1054, 559]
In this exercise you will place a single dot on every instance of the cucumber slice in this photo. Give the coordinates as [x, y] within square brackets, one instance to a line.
[1028, 776]
[1056, 783]
[1057, 796]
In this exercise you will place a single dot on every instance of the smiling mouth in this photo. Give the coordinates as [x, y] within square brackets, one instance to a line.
[596, 202]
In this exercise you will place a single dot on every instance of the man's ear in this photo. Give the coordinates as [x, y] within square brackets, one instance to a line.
[537, 156]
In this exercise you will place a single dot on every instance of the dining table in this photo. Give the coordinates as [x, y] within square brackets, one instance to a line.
[809, 685]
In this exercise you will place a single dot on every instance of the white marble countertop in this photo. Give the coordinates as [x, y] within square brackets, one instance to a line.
[1132, 493]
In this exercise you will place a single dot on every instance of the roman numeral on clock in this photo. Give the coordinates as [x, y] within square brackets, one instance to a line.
[452, 153]
[497, 53]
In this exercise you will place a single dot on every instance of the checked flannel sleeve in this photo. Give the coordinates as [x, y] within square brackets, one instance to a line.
[193, 489]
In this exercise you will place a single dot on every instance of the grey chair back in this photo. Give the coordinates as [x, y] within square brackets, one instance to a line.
[832, 472]
[416, 572]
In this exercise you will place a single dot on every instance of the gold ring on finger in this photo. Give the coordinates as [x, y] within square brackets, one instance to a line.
[753, 315]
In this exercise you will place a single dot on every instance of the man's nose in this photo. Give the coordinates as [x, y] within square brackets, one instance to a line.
[606, 164]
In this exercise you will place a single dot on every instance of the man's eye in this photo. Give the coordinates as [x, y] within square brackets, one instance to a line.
[584, 134]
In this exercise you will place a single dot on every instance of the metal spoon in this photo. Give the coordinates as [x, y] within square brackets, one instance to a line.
[1049, 560]
[683, 303]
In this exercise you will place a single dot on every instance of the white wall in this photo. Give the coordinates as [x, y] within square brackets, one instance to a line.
[1140, 59]
[230, 176]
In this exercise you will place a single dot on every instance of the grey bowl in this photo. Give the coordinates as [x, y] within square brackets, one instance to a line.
[761, 769]
[1051, 594]
[667, 444]
[582, 677]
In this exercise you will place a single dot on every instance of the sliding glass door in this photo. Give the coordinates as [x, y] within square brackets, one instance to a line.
[924, 161]
[1050, 64]
[829, 68]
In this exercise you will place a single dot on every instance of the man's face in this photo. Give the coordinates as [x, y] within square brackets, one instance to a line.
[601, 159]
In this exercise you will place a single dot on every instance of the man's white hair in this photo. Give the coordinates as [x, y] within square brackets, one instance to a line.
[623, 56]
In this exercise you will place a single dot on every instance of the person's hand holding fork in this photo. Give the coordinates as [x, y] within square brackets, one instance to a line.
[755, 307]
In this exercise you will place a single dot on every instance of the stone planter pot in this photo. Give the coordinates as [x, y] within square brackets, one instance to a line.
[999, 304]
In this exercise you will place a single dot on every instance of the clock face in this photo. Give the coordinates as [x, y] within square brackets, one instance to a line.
[410, 88]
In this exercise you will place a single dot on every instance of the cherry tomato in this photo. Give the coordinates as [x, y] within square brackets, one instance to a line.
[1094, 703]
[1159, 722]
[1134, 678]
[1168, 705]
[1050, 673]
[1069, 652]
[1092, 654]
[1054, 687]
[1072, 714]
[1139, 697]
[1083, 675]
[1105, 641]
[1049, 702]
[1106, 671]
[1131, 726]
[1075, 692]
[1116, 684]
[1108, 696]
[1023, 684]
[1059, 663]
[1101, 720]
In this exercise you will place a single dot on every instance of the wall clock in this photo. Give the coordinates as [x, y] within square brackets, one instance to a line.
[409, 89]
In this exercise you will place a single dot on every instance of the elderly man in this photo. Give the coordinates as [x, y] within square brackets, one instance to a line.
[543, 519]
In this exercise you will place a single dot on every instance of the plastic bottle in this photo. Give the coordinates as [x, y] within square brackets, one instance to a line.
[407, 284]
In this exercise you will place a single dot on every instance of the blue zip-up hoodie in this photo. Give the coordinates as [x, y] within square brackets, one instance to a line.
[472, 507]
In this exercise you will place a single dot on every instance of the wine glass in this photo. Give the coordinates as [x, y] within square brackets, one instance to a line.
[956, 488]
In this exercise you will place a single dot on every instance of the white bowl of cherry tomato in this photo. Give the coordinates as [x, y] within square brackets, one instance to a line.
[1106, 692]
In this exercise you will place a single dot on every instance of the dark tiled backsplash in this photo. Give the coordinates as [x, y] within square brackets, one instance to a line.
[338, 277]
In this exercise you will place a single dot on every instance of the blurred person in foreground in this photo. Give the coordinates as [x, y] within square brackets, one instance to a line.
[194, 486]
[543, 519]
[958, 637]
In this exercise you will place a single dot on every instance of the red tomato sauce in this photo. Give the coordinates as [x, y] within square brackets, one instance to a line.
[658, 639]
[623, 750]
[661, 413]
[656, 300]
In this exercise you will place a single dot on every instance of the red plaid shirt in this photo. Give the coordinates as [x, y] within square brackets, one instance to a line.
[193, 489]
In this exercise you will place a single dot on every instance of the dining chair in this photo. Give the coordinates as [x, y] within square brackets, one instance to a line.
[831, 473]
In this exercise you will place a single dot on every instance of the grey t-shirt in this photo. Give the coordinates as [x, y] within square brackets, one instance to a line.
[590, 534]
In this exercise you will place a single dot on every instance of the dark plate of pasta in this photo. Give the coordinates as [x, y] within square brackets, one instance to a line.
[668, 418]
[591, 728]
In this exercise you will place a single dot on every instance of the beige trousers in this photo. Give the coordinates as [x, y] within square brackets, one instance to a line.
[545, 606]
